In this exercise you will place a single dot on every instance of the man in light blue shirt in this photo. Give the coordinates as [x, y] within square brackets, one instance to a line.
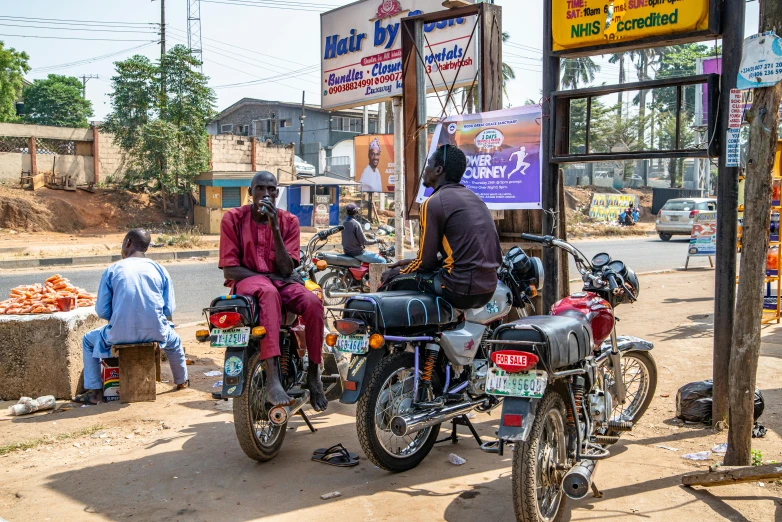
[136, 297]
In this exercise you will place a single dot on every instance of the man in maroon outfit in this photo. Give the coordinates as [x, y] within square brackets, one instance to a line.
[259, 250]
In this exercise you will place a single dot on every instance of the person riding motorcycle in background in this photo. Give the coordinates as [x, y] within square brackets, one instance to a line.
[354, 241]
[460, 249]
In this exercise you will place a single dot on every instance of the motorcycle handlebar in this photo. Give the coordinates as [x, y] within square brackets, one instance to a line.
[533, 238]
[324, 234]
[612, 283]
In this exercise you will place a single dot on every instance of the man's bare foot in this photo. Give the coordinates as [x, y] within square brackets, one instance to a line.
[318, 398]
[183, 385]
[275, 393]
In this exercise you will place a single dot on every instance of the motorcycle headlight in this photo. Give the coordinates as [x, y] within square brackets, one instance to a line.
[526, 269]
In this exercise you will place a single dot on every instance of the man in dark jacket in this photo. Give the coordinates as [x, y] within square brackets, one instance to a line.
[459, 250]
[354, 240]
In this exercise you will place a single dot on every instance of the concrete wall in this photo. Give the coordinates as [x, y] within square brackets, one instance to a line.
[43, 131]
[234, 154]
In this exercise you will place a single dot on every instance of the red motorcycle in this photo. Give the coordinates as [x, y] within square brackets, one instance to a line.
[347, 276]
[570, 386]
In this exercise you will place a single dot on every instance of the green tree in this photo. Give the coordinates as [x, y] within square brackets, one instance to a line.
[679, 60]
[57, 100]
[13, 67]
[133, 100]
[578, 71]
[163, 139]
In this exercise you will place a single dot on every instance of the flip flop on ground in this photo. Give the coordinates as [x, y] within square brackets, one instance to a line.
[336, 455]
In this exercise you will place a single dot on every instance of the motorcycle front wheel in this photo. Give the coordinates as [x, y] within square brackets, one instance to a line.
[333, 283]
[259, 438]
[538, 463]
[639, 373]
[390, 393]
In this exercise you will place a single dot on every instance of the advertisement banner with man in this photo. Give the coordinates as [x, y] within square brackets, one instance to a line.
[374, 156]
[361, 51]
[503, 155]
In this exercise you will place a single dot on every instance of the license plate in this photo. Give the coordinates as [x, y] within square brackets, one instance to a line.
[233, 338]
[528, 384]
[674, 218]
[357, 344]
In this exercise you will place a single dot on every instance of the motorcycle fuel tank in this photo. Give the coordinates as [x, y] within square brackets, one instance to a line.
[596, 310]
[497, 308]
[461, 344]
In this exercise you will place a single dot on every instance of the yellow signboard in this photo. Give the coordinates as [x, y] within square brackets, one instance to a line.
[588, 23]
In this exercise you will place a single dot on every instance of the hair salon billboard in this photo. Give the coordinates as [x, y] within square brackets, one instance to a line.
[361, 51]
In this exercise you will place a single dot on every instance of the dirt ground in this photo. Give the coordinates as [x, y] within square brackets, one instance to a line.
[178, 458]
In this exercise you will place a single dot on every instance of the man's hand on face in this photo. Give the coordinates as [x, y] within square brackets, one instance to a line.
[270, 209]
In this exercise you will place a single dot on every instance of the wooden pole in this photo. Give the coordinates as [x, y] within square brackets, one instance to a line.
[726, 475]
[763, 119]
[33, 156]
[727, 212]
[551, 256]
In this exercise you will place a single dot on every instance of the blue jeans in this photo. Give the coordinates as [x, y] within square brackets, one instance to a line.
[94, 339]
[370, 257]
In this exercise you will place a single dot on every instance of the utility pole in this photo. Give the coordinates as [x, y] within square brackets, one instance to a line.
[84, 79]
[399, 180]
[162, 54]
[727, 213]
[763, 119]
[301, 127]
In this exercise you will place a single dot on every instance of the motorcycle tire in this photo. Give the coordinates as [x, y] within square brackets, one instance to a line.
[366, 418]
[526, 478]
[246, 406]
[646, 360]
[334, 280]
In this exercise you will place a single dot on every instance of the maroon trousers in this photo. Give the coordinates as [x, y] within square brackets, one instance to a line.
[297, 299]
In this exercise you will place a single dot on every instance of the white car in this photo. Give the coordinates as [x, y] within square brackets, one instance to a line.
[677, 215]
[303, 168]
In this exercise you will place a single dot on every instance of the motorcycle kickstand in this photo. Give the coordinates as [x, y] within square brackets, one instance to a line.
[461, 420]
[596, 492]
[312, 428]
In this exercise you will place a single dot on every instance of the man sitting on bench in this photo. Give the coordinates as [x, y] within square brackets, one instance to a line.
[136, 297]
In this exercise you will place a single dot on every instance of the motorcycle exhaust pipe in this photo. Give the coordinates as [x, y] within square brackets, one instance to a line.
[341, 295]
[578, 480]
[402, 425]
[279, 415]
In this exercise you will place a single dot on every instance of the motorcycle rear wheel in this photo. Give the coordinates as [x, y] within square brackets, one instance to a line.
[536, 481]
[333, 283]
[258, 437]
[391, 384]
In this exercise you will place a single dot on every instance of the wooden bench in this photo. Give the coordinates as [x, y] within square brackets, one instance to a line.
[139, 370]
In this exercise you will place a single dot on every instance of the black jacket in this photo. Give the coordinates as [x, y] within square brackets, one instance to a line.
[353, 238]
[457, 225]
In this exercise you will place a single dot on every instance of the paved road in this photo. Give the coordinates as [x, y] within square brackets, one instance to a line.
[196, 283]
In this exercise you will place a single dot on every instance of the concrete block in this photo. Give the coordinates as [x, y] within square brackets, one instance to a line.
[42, 354]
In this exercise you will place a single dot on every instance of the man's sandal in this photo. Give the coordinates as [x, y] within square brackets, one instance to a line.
[184, 385]
[91, 397]
[336, 455]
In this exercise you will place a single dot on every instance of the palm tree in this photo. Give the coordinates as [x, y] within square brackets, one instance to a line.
[619, 57]
[577, 71]
[508, 74]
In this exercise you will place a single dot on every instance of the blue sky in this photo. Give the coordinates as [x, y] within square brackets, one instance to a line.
[241, 43]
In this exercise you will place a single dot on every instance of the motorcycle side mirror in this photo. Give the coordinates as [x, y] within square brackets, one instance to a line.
[367, 226]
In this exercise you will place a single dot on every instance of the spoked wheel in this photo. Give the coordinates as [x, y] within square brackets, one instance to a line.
[538, 464]
[333, 283]
[639, 373]
[390, 393]
[258, 437]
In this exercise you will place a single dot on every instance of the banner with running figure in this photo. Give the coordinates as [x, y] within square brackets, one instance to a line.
[503, 155]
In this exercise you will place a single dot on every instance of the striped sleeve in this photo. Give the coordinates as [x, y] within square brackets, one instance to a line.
[432, 232]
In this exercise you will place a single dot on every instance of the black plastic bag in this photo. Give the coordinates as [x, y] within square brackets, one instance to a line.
[693, 402]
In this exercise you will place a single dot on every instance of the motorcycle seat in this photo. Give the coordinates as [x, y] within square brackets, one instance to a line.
[566, 340]
[341, 260]
[248, 306]
[401, 309]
